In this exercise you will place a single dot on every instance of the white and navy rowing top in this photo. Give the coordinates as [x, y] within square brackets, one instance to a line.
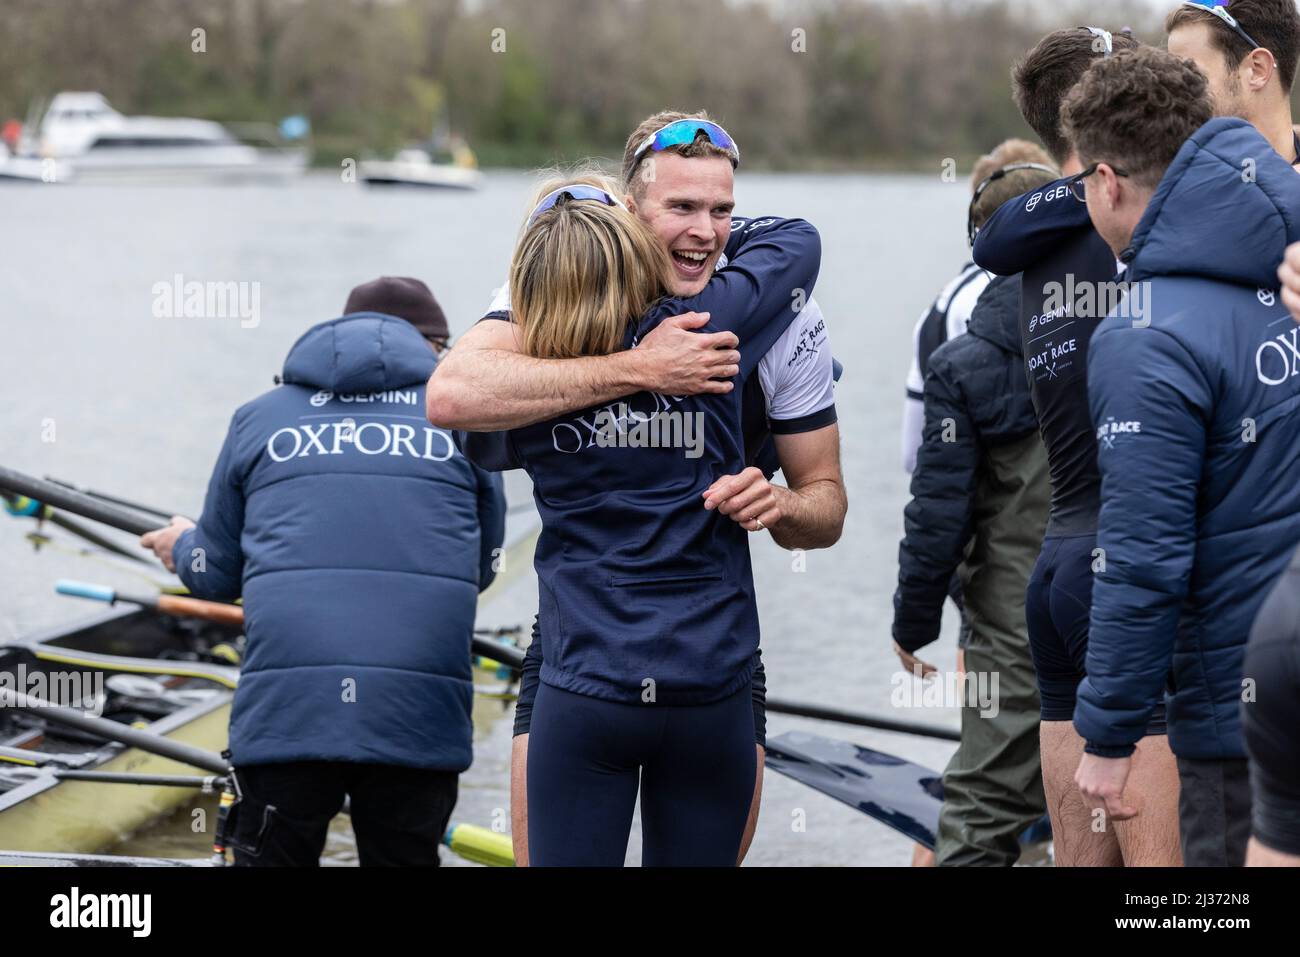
[946, 319]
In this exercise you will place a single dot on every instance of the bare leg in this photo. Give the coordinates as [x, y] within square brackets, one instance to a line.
[752, 823]
[519, 798]
[1151, 838]
[1257, 855]
[1077, 840]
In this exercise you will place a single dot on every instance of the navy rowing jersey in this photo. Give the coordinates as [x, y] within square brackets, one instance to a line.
[645, 596]
[1066, 291]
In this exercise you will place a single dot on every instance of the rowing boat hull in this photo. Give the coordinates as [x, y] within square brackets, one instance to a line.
[84, 817]
[48, 814]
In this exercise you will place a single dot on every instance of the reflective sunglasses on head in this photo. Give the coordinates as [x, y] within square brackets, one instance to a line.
[971, 229]
[1076, 182]
[575, 192]
[1219, 8]
[682, 132]
[1108, 41]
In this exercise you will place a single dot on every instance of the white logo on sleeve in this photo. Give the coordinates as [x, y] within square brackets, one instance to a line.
[1111, 430]
[1266, 297]
[809, 341]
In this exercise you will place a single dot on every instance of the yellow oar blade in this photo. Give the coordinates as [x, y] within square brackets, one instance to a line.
[480, 845]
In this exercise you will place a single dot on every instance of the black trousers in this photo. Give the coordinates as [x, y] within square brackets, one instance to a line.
[1214, 811]
[399, 814]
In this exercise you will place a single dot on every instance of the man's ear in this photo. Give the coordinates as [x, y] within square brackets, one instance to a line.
[1261, 66]
[1110, 185]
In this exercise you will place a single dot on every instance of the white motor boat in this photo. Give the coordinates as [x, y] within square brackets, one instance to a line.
[30, 169]
[97, 143]
[414, 167]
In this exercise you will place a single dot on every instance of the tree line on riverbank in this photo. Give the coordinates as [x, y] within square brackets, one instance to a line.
[801, 85]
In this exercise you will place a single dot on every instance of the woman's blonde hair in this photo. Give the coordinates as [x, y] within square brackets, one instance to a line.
[582, 272]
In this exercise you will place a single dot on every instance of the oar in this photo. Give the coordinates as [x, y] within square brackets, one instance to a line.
[483, 645]
[206, 784]
[77, 503]
[103, 510]
[480, 845]
[898, 793]
[114, 500]
[113, 731]
[164, 604]
[779, 706]
[23, 507]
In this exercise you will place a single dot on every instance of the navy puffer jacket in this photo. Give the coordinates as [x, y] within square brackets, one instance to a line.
[359, 538]
[1197, 408]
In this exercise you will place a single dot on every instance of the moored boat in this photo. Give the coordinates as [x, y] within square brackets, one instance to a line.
[30, 169]
[93, 142]
[415, 168]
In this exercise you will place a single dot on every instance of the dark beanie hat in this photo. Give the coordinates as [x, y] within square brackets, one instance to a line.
[404, 298]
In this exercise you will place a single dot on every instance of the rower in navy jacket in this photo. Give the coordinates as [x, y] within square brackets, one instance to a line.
[647, 606]
[1194, 398]
[359, 538]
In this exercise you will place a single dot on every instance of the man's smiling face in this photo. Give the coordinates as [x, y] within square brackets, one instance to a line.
[688, 204]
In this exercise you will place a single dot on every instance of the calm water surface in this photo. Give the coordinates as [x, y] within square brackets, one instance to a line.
[139, 405]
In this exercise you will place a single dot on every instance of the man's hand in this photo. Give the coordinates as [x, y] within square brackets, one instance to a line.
[914, 665]
[1289, 273]
[1101, 782]
[747, 498]
[676, 361]
[161, 541]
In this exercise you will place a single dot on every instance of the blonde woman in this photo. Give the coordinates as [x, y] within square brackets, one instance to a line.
[647, 600]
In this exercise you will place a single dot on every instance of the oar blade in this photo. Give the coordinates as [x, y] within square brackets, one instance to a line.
[895, 792]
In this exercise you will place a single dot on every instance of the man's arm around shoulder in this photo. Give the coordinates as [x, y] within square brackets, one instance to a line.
[486, 383]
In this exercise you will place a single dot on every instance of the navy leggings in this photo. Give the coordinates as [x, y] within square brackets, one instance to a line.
[1058, 601]
[1058, 608]
[694, 764]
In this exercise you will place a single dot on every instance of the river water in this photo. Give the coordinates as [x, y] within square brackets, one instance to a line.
[99, 391]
